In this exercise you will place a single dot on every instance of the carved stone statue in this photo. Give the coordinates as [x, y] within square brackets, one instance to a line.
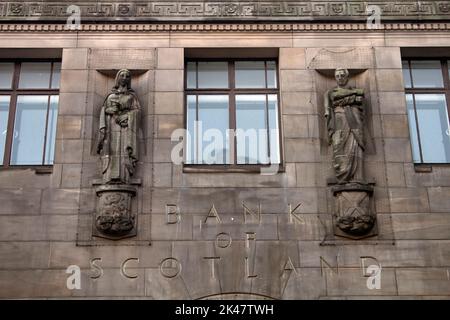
[345, 117]
[117, 143]
[118, 149]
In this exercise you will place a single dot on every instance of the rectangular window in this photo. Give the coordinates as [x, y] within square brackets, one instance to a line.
[428, 102]
[232, 113]
[29, 94]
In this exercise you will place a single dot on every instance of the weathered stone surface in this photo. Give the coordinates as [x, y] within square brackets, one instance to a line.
[307, 283]
[169, 103]
[264, 228]
[74, 81]
[112, 283]
[166, 124]
[296, 126]
[296, 80]
[63, 254]
[397, 150]
[271, 265]
[395, 175]
[71, 176]
[170, 58]
[424, 281]
[161, 230]
[123, 58]
[392, 102]
[395, 126]
[20, 201]
[229, 200]
[24, 255]
[38, 228]
[60, 201]
[159, 287]
[302, 150]
[439, 199]
[196, 270]
[389, 79]
[401, 253]
[388, 57]
[75, 58]
[33, 284]
[409, 200]
[439, 176]
[298, 102]
[292, 58]
[169, 80]
[422, 226]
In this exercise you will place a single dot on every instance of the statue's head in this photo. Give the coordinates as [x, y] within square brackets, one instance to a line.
[123, 79]
[341, 76]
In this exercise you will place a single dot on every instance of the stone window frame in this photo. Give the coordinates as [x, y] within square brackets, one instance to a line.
[14, 92]
[445, 68]
[231, 91]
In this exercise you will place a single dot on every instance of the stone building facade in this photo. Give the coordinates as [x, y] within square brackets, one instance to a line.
[208, 232]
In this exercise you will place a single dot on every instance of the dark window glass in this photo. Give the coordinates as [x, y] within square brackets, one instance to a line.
[246, 105]
[28, 113]
[427, 106]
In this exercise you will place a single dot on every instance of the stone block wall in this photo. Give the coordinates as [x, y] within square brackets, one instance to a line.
[46, 219]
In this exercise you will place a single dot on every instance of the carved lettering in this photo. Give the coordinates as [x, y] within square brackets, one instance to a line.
[97, 268]
[173, 214]
[223, 240]
[170, 268]
[248, 211]
[123, 268]
[213, 214]
[212, 259]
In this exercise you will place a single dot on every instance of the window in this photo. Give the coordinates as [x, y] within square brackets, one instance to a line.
[232, 113]
[28, 112]
[428, 103]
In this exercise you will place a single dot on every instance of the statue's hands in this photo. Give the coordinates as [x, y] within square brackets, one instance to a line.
[123, 120]
[110, 110]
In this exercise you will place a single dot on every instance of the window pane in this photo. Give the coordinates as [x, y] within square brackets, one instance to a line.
[34, 75]
[51, 130]
[29, 130]
[212, 75]
[251, 133]
[433, 127]
[191, 151]
[191, 76]
[427, 74]
[274, 131]
[6, 75]
[250, 74]
[413, 128]
[213, 115]
[406, 74]
[4, 112]
[56, 75]
[271, 74]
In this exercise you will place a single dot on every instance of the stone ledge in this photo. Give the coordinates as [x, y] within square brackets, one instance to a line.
[222, 27]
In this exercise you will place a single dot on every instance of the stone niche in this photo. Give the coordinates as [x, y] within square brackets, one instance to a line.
[349, 200]
[103, 65]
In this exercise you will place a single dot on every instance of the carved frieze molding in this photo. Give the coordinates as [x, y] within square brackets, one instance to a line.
[306, 27]
[220, 10]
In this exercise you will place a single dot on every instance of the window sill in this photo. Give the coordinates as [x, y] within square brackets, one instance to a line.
[37, 169]
[202, 168]
[428, 167]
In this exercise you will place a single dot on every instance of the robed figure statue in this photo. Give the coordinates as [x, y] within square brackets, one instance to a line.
[118, 130]
[344, 111]
[117, 146]
[345, 117]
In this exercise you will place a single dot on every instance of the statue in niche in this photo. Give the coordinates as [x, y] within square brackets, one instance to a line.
[344, 111]
[345, 117]
[118, 149]
[117, 143]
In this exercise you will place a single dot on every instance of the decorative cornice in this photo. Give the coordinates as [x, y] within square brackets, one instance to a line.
[274, 27]
[126, 11]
